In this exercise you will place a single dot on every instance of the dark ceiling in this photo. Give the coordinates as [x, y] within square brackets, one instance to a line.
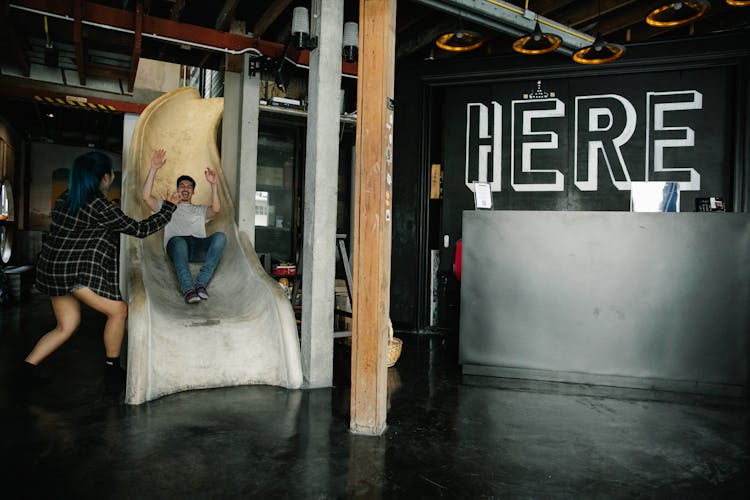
[106, 53]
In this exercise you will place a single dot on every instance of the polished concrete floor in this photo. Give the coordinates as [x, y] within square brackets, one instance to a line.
[447, 436]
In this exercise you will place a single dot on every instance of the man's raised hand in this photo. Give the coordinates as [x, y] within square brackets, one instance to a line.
[211, 175]
[158, 159]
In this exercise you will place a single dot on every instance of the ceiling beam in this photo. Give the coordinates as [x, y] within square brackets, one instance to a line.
[592, 12]
[269, 16]
[412, 44]
[167, 31]
[176, 11]
[408, 16]
[109, 72]
[544, 7]
[174, 15]
[68, 99]
[224, 19]
[78, 41]
[158, 28]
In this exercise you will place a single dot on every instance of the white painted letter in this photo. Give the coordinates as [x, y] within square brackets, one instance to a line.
[480, 151]
[671, 137]
[530, 140]
[603, 123]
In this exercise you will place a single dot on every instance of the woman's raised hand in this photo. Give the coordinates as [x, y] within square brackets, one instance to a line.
[172, 197]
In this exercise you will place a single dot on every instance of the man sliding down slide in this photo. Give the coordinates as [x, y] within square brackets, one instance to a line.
[185, 237]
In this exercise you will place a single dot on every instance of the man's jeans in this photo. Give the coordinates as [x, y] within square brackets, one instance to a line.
[185, 249]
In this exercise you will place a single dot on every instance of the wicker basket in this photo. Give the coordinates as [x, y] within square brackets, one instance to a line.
[394, 350]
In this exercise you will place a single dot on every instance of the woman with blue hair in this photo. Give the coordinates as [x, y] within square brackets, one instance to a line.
[79, 261]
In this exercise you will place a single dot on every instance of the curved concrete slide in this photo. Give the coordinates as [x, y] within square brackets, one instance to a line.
[245, 333]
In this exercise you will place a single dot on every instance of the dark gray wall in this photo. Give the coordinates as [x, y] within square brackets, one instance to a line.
[616, 297]
[431, 105]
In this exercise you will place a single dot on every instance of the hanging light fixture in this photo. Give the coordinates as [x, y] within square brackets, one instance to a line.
[677, 13]
[739, 3]
[460, 39]
[537, 42]
[599, 52]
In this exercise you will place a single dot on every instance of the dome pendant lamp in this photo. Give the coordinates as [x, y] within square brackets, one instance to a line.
[599, 52]
[537, 42]
[460, 39]
[677, 13]
[739, 3]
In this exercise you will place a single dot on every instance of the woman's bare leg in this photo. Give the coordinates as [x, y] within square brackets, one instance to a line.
[68, 315]
[116, 312]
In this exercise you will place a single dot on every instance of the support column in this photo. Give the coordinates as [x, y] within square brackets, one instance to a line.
[239, 143]
[372, 216]
[321, 183]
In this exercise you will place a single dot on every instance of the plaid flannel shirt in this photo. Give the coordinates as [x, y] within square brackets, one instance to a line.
[84, 248]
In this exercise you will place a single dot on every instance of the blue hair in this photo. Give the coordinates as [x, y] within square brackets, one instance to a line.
[86, 178]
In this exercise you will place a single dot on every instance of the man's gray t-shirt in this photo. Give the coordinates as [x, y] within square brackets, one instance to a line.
[187, 220]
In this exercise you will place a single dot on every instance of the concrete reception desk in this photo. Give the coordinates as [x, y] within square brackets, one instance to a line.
[644, 300]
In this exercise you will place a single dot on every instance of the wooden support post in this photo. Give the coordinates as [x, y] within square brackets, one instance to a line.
[372, 215]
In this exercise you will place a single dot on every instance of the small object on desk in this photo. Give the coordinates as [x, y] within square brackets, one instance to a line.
[711, 204]
[482, 195]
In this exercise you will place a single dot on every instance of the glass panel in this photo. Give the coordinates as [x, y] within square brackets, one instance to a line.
[274, 195]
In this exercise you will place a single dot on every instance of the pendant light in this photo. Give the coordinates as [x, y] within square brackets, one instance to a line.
[460, 39]
[739, 3]
[677, 13]
[537, 42]
[599, 52]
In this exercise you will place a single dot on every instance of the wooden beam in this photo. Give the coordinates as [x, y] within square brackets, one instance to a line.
[78, 41]
[580, 16]
[174, 15]
[269, 16]
[544, 7]
[224, 19]
[424, 38]
[109, 72]
[372, 216]
[176, 11]
[137, 44]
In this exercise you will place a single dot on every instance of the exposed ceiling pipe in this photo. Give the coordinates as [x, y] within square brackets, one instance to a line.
[511, 20]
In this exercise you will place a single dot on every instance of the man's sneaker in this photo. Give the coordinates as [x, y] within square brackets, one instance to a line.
[202, 292]
[191, 297]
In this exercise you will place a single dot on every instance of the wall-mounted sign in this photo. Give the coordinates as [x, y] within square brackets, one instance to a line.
[603, 125]
[581, 145]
